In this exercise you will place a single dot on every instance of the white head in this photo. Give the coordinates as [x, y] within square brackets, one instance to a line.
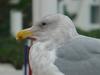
[53, 27]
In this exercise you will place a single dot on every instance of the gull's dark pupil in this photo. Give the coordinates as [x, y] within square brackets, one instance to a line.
[43, 24]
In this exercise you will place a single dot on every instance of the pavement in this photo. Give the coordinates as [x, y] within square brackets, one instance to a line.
[8, 69]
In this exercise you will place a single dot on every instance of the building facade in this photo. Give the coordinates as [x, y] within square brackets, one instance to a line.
[88, 17]
[87, 12]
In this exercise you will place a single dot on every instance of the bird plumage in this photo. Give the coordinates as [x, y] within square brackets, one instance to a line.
[60, 50]
[80, 56]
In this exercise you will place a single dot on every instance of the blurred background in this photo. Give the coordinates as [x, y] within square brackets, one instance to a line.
[19, 14]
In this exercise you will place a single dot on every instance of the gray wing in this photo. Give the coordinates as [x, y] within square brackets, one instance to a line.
[80, 57]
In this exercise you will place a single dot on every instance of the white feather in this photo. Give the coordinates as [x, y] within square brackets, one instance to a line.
[43, 53]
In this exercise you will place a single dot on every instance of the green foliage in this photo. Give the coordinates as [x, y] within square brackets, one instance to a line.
[93, 33]
[4, 30]
[4, 27]
[4, 21]
[11, 52]
[4, 3]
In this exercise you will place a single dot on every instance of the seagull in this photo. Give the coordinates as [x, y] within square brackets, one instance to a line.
[58, 49]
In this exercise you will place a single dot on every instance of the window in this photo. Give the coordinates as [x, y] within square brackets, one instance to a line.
[95, 14]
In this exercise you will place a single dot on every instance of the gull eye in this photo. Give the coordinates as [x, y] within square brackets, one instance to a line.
[43, 24]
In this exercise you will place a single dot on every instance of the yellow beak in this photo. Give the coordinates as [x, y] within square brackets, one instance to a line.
[23, 34]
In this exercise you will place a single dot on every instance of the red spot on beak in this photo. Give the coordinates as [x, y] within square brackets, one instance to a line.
[32, 38]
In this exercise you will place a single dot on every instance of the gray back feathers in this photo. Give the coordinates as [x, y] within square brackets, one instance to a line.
[80, 56]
